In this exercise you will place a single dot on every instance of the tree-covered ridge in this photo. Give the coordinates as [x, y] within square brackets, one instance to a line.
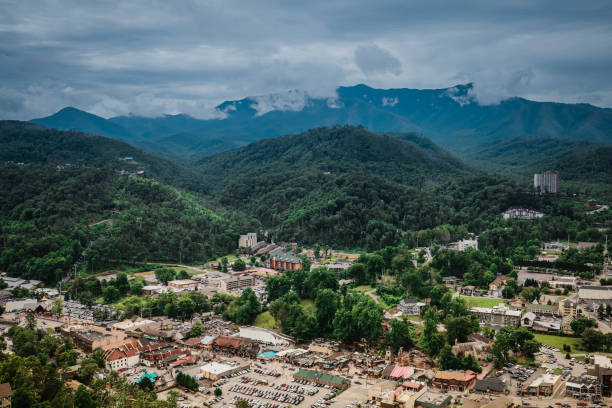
[27, 143]
[346, 186]
[48, 217]
[583, 167]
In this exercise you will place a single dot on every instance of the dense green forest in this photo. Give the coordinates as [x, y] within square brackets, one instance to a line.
[24, 142]
[48, 217]
[346, 186]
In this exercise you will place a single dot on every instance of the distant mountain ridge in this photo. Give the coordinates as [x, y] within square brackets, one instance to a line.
[451, 117]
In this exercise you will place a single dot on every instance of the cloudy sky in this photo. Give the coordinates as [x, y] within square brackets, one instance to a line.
[154, 57]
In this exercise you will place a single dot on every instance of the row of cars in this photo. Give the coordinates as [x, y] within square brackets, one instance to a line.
[297, 389]
[270, 373]
[267, 394]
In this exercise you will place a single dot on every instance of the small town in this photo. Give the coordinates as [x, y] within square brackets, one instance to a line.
[305, 204]
[201, 355]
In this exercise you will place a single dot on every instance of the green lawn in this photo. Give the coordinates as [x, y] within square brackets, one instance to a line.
[309, 306]
[559, 341]
[481, 302]
[362, 288]
[266, 321]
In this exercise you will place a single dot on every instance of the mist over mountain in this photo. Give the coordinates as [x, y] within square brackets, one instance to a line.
[451, 117]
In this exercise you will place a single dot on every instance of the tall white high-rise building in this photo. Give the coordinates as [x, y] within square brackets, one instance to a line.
[547, 182]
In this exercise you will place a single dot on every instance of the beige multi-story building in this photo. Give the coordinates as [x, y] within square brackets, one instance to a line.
[568, 307]
[238, 282]
[547, 182]
[499, 315]
[184, 284]
[247, 240]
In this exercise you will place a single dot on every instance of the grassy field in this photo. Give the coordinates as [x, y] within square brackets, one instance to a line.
[309, 306]
[266, 321]
[481, 302]
[362, 288]
[559, 341]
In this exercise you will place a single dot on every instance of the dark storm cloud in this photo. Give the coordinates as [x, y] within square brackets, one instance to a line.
[152, 57]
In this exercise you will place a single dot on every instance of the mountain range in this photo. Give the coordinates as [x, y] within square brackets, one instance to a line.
[451, 117]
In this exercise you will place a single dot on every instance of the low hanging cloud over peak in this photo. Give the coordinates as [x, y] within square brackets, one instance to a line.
[151, 58]
[372, 59]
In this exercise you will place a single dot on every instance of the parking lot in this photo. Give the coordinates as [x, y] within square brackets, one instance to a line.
[270, 385]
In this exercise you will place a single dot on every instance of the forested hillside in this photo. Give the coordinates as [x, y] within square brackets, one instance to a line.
[49, 214]
[28, 143]
[346, 186]
[583, 167]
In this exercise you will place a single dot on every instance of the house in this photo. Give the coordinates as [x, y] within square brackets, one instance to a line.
[545, 384]
[411, 307]
[528, 319]
[583, 387]
[450, 281]
[496, 287]
[490, 384]
[120, 359]
[478, 347]
[467, 290]
[454, 380]
[235, 345]
[6, 395]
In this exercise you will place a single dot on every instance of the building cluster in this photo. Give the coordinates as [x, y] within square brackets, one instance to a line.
[276, 256]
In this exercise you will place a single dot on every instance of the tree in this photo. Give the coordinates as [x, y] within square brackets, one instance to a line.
[196, 329]
[401, 334]
[110, 294]
[164, 275]
[327, 303]
[593, 340]
[531, 347]
[31, 321]
[459, 328]
[83, 398]
[186, 381]
[57, 306]
[183, 274]
[146, 384]
[501, 348]
[239, 265]
[580, 324]
[241, 403]
[218, 392]
[187, 307]
[277, 286]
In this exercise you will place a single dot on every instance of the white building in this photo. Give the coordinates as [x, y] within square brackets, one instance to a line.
[547, 182]
[411, 307]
